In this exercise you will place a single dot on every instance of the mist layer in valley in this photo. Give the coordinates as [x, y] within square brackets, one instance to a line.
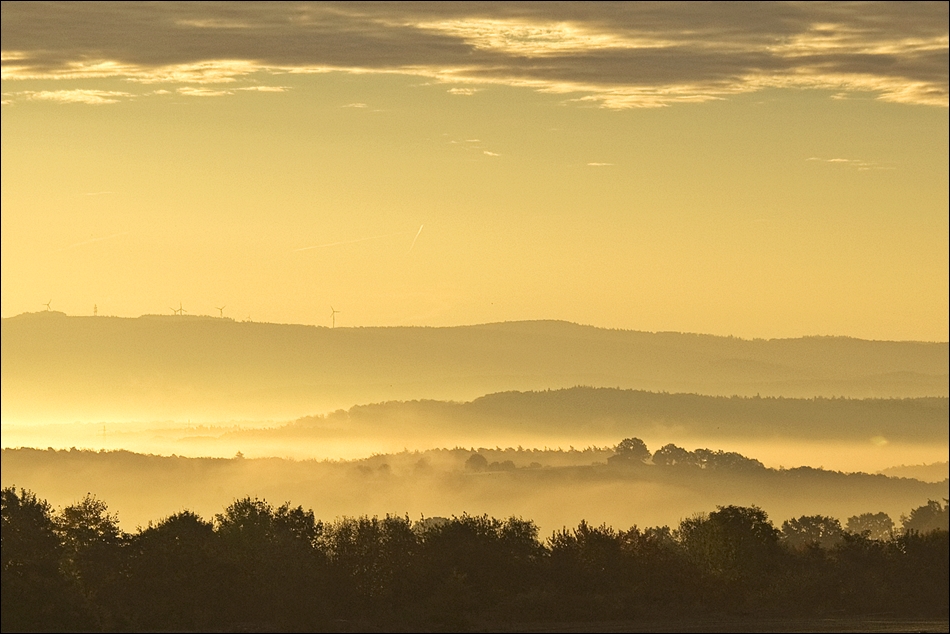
[58, 368]
[553, 488]
[304, 406]
[845, 434]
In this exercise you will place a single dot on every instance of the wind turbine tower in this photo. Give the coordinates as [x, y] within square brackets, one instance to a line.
[221, 310]
[47, 305]
[333, 313]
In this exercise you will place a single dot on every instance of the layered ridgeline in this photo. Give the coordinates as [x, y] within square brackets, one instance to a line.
[604, 412]
[620, 485]
[57, 367]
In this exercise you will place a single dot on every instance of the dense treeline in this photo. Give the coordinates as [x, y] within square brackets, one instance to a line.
[257, 567]
[622, 411]
[554, 488]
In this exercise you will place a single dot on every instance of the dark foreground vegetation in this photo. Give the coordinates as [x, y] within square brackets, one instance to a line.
[255, 567]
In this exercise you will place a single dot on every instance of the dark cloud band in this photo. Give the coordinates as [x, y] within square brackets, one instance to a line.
[626, 54]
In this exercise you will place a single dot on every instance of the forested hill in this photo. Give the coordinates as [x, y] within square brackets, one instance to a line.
[555, 488]
[57, 366]
[605, 411]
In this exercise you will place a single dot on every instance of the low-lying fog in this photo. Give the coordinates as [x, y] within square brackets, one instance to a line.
[553, 488]
[261, 439]
[546, 457]
[173, 401]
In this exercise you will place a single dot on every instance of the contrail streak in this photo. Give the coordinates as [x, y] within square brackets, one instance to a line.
[334, 244]
[414, 239]
[84, 242]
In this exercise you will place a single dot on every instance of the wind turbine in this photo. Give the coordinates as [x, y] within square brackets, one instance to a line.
[333, 313]
[221, 310]
[178, 311]
[50, 302]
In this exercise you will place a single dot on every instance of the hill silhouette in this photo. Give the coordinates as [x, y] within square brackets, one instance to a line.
[58, 367]
[935, 472]
[605, 411]
[555, 487]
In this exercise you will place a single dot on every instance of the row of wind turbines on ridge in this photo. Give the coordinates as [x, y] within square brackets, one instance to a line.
[180, 311]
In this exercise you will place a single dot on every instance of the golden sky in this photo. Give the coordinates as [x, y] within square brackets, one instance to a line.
[766, 170]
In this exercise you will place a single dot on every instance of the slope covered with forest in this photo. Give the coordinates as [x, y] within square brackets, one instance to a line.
[555, 488]
[57, 367]
[605, 411]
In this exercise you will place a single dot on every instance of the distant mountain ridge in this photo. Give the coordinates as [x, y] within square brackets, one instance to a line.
[606, 411]
[57, 367]
[935, 472]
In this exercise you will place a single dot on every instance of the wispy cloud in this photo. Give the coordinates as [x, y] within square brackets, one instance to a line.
[265, 88]
[354, 105]
[859, 164]
[93, 97]
[599, 164]
[190, 91]
[464, 92]
[214, 23]
[473, 145]
[605, 55]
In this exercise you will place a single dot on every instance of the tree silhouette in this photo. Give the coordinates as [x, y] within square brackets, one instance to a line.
[587, 559]
[480, 561]
[36, 595]
[630, 451]
[671, 456]
[93, 544]
[812, 529]
[273, 566]
[734, 545]
[709, 459]
[932, 516]
[477, 463]
[371, 561]
[175, 574]
[872, 525]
